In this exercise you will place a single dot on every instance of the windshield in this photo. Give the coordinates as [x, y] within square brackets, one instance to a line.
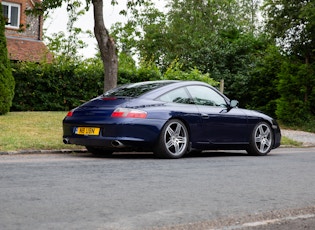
[136, 89]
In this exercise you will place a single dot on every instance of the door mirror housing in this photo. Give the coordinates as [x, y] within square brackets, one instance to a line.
[233, 104]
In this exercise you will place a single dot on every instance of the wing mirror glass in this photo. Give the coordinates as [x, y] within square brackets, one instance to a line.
[233, 103]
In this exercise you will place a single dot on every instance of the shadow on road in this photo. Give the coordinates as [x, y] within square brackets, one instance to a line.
[150, 155]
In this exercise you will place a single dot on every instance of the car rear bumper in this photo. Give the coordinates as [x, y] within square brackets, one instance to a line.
[114, 135]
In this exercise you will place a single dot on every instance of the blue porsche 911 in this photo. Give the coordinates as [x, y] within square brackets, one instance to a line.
[170, 118]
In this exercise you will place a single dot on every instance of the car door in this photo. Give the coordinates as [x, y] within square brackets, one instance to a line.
[183, 107]
[220, 125]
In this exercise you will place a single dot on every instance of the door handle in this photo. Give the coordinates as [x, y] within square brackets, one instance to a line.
[204, 116]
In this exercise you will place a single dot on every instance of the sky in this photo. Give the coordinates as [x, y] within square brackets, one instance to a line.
[57, 21]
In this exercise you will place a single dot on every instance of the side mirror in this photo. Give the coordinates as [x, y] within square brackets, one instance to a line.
[233, 104]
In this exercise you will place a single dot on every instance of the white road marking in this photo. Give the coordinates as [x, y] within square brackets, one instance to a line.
[265, 222]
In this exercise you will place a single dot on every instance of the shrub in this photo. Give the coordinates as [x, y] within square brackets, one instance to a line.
[6, 78]
[174, 72]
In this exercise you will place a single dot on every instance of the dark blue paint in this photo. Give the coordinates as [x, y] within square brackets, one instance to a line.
[208, 126]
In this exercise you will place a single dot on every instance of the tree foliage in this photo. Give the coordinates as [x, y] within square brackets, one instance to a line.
[216, 37]
[271, 70]
[223, 38]
[106, 44]
[293, 107]
[175, 72]
[292, 25]
[67, 45]
[262, 86]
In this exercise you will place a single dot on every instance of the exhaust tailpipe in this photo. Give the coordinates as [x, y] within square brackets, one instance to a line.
[66, 141]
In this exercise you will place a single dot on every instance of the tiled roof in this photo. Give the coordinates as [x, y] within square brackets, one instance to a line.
[23, 49]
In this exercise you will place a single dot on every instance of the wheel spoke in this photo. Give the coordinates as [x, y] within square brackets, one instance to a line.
[268, 142]
[181, 140]
[169, 144]
[177, 148]
[170, 131]
[262, 147]
[178, 129]
[266, 132]
[258, 139]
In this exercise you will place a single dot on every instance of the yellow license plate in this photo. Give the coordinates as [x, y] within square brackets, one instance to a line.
[87, 131]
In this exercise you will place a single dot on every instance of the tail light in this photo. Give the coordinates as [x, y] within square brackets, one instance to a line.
[108, 98]
[70, 113]
[129, 113]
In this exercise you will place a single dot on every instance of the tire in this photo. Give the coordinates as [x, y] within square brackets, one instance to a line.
[173, 140]
[261, 140]
[98, 151]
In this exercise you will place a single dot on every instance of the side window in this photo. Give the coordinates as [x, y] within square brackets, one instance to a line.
[176, 96]
[11, 13]
[206, 96]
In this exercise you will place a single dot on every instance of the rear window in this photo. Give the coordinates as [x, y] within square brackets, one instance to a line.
[136, 89]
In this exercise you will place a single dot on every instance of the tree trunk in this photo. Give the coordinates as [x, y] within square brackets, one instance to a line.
[107, 47]
[309, 87]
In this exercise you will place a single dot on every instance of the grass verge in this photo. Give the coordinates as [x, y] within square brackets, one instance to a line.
[43, 130]
[32, 131]
[289, 142]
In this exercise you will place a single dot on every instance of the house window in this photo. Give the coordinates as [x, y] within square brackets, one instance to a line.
[11, 13]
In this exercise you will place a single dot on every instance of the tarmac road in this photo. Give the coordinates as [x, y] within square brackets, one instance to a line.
[214, 190]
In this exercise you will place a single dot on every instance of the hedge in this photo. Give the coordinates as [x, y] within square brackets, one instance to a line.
[55, 87]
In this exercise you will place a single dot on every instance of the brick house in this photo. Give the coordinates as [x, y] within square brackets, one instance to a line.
[24, 32]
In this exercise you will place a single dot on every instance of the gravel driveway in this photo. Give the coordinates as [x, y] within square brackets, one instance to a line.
[308, 139]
